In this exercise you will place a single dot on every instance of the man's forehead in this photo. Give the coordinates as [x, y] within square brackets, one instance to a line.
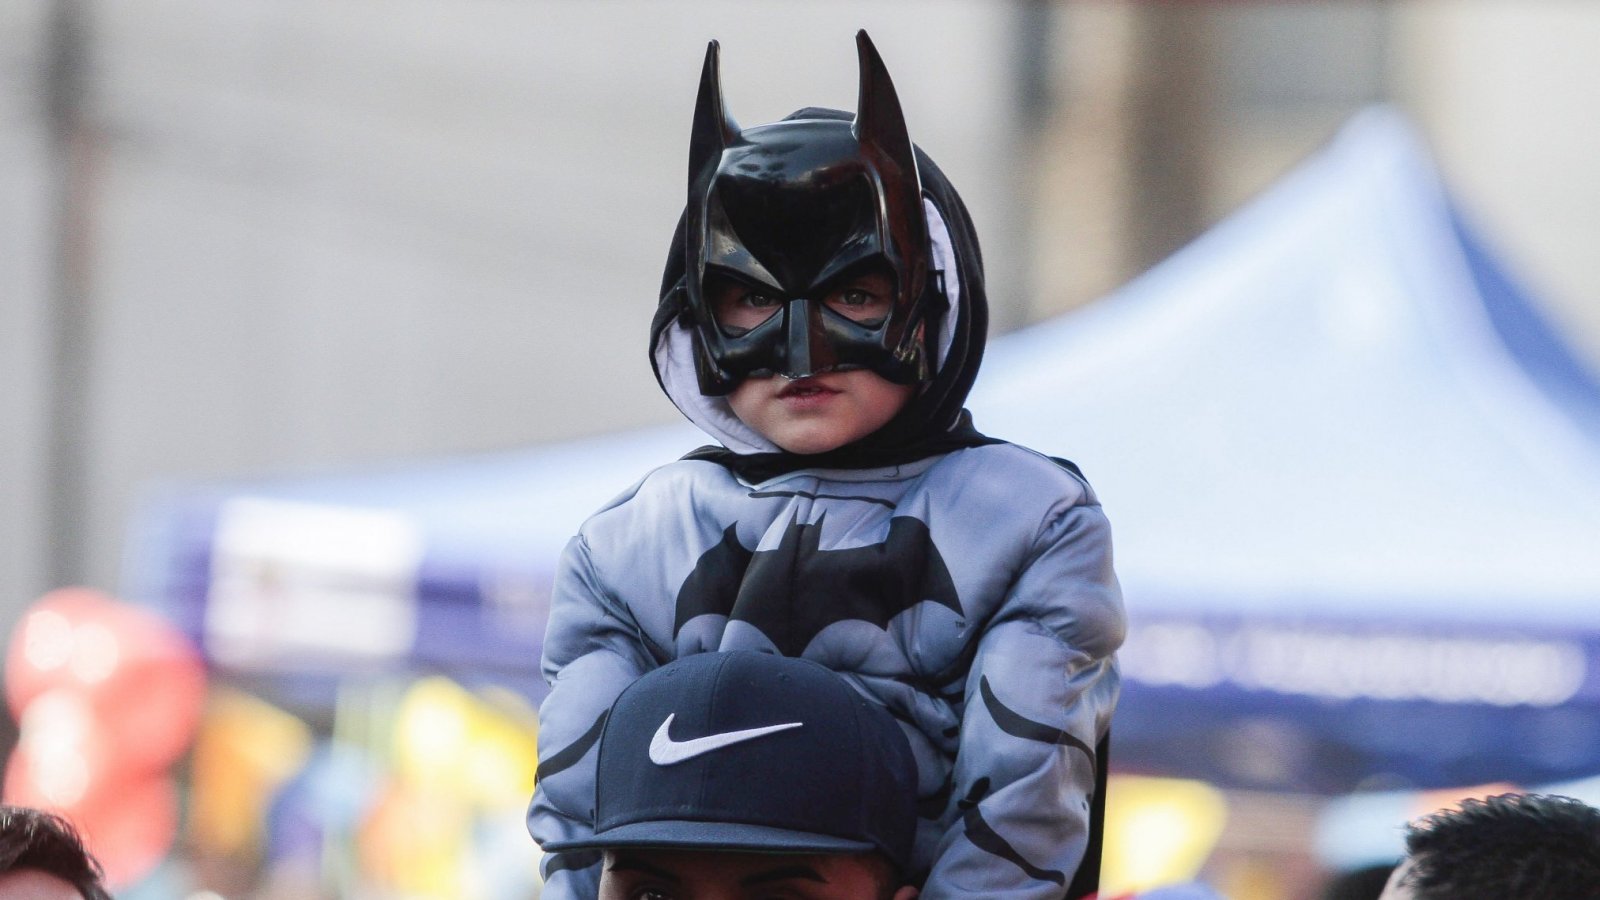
[33, 884]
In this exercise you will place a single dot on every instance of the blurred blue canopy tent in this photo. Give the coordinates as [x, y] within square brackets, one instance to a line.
[1354, 478]
[435, 567]
[1355, 485]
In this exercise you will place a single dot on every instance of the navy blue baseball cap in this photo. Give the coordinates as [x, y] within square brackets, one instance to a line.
[748, 751]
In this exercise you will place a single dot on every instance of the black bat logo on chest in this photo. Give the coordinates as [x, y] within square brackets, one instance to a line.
[797, 589]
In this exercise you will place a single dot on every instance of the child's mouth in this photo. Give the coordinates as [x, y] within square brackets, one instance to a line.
[804, 388]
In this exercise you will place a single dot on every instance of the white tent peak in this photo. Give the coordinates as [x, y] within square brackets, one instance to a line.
[1313, 408]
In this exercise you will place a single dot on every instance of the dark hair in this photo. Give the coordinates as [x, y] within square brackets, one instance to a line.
[1511, 845]
[44, 842]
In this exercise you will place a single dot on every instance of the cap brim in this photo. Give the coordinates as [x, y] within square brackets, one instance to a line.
[686, 835]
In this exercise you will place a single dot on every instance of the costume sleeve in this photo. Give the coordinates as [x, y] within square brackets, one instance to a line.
[1039, 696]
[591, 652]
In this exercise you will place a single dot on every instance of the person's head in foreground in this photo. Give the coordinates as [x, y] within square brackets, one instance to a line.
[42, 858]
[824, 291]
[1507, 846]
[748, 775]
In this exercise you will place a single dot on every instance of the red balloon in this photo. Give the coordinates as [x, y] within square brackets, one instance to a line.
[142, 677]
[130, 826]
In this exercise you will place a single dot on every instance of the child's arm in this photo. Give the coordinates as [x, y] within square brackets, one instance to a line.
[1038, 698]
[591, 652]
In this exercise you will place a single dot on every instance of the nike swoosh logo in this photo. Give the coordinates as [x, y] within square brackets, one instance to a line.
[664, 751]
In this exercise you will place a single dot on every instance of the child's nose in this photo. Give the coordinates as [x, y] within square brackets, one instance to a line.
[807, 349]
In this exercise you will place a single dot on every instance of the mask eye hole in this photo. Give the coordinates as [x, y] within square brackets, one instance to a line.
[866, 297]
[739, 305]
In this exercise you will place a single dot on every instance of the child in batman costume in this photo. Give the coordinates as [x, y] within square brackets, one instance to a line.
[823, 317]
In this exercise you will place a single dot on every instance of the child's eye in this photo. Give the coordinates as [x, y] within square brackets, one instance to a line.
[864, 303]
[740, 307]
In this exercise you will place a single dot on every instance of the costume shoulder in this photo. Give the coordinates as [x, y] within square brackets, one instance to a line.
[1020, 475]
[1053, 533]
[662, 492]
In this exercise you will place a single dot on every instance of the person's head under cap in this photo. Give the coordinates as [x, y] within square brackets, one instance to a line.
[737, 776]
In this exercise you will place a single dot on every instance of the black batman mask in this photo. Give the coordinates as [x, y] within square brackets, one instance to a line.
[794, 238]
[790, 211]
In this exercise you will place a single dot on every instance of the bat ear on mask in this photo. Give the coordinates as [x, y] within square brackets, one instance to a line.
[713, 130]
[880, 125]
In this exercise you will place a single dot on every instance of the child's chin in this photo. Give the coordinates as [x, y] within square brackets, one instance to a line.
[810, 443]
[811, 448]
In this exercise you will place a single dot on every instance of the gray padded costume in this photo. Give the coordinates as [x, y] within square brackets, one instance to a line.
[970, 591]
